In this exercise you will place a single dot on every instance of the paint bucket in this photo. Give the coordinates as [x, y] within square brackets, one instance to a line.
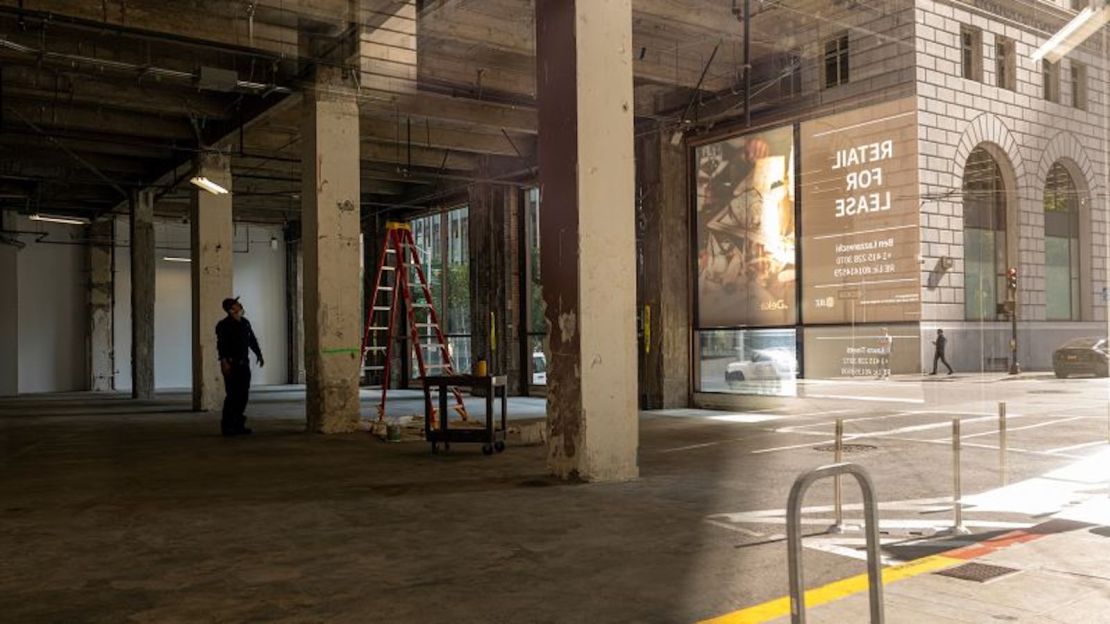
[480, 368]
[393, 432]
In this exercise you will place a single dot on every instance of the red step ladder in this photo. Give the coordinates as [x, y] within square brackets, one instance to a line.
[398, 267]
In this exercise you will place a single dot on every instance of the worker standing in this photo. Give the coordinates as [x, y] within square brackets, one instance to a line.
[234, 337]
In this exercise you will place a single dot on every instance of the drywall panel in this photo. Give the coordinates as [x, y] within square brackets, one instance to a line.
[52, 307]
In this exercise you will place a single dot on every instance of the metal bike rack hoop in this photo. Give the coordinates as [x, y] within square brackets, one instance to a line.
[870, 527]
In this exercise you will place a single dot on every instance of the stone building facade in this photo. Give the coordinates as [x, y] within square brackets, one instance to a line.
[999, 137]
[1026, 134]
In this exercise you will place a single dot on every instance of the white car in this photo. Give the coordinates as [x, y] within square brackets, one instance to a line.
[765, 364]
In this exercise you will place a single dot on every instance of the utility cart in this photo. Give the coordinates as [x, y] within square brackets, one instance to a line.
[491, 437]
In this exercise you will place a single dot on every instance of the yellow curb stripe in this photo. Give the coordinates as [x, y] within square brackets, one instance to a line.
[836, 590]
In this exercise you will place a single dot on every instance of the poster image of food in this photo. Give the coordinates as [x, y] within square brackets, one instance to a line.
[745, 231]
[860, 216]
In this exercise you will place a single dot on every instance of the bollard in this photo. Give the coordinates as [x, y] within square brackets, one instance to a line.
[957, 497]
[1002, 442]
[870, 529]
[838, 501]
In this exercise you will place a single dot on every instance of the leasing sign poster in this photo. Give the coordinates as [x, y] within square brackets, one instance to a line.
[860, 216]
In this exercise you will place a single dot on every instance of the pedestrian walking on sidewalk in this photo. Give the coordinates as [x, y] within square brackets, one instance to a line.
[234, 337]
[938, 353]
[886, 349]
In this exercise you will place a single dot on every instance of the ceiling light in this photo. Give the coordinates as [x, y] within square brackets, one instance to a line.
[208, 185]
[176, 259]
[56, 219]
[1073, 34]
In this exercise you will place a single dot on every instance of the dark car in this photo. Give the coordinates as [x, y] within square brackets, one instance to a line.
[1081, 356]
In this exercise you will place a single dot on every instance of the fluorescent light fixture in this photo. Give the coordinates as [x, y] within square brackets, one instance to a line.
[176, 259]
[56, 219]
[208, 185]
[1073, 34]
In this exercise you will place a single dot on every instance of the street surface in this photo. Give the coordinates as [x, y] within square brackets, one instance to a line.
[1056, 465]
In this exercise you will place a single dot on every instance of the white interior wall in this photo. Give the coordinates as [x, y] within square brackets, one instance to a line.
[259, 282]
[259, 278]
[52, 304]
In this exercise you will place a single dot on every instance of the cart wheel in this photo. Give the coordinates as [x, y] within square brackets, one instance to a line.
[499, 446]
[487, 449]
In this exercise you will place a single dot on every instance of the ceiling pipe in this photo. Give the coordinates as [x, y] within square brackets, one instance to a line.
[100, 27]
[81, 161]
[140, 70]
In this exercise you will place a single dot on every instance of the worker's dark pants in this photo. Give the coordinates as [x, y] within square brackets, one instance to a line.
[939, 357]
[237, 385]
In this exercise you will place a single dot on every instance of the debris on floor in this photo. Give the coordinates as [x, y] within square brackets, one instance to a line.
[530, 434]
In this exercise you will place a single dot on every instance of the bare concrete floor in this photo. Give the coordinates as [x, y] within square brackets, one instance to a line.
[120, 511]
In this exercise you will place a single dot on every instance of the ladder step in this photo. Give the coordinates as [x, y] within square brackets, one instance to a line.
[385, 288]
[376, 348]
[379, 329]
[372, 368]
[389, 268]
[382, 308]
[431, 346]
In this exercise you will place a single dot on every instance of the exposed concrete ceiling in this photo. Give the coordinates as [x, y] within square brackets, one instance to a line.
[99, 98]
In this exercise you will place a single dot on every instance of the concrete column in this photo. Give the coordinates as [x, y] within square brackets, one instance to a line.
[211, 234]
[330, 225]
[294, 296]
[9, 309]
[142, 295]
[664, 289]
[587, 229]
[492, 311]
[101, 357]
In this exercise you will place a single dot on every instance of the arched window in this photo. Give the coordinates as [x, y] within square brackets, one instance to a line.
[984, 236]
[1061, 245]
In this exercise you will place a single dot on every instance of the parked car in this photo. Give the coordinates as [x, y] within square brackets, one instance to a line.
[1081, 356]
[765, 364]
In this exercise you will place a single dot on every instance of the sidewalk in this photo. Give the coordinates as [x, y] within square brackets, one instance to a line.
[1047, 577]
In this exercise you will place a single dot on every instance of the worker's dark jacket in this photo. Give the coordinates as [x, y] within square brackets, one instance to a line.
[233, 338]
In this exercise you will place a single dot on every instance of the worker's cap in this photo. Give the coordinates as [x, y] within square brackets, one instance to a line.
[229, 302]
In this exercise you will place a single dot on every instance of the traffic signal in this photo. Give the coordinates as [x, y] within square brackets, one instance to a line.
[1011, 278]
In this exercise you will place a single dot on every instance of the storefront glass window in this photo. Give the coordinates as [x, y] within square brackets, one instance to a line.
[536, 325]
[458, 287]
[1061, 245]
[984, 236]
[442, 242]
[748, 361]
